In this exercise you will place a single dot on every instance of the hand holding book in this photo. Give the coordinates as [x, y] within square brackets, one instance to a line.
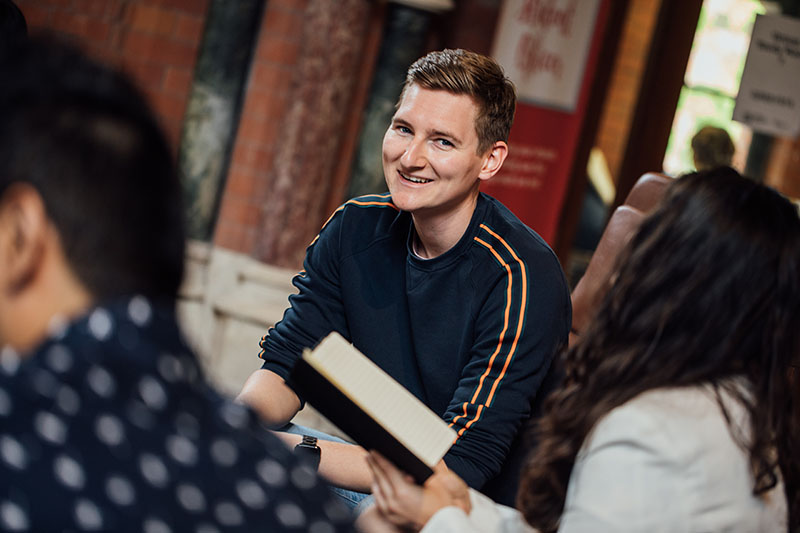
[371, 407]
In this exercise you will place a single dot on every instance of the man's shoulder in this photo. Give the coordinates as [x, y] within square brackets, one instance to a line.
[366, 219]
[503, 227]
[371, 206]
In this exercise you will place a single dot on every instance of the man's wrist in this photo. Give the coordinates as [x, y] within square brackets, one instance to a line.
[308, 451]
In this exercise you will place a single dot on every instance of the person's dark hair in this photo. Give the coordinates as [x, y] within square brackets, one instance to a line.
[12, 23]
[475, 75]
[707, 289]
[83, 136]
[712, 147]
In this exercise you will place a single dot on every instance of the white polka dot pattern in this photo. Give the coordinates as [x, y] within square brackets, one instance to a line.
[153, 393]
[101, 382]
[13, 517]
[139, 310]
[290, 515]
[223, 452]
[271, 472]
[120, 491]
[153, 470]
[251, 494]
[191, 498]
[69, 472]
[182, 449]
[68, 400]
[100, 324]
[228, 514]
[59, 358]
[87, 515]
[12, 452]
[50, 427]
[109, 428]
[9, 361]
[154, 525]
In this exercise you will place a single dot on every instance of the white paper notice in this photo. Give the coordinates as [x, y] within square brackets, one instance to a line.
[543, 45]
[769, 100]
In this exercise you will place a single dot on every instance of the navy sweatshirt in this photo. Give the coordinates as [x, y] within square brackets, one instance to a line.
[471, 332]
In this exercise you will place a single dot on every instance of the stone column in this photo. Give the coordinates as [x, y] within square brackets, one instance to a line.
[405, 34]
[214, 103]
[322, 81]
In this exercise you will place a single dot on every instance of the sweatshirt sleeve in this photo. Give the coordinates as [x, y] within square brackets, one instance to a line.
[518, 330]
[486, 516]
[315, 310]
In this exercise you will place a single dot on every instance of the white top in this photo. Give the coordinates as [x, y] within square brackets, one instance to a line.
[662, 462]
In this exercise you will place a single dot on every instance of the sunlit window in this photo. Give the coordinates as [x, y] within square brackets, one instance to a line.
[712, 81]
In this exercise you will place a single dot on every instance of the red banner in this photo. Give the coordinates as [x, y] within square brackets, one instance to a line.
[549, 49]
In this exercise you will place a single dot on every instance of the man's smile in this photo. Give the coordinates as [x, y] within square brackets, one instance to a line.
[414, 179]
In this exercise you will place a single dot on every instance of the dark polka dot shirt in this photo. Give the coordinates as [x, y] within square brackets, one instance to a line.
[110, 426]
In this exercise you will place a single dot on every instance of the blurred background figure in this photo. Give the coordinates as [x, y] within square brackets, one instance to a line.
[712, 147]
[676, 412]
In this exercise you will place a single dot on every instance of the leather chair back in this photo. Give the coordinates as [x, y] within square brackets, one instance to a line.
[587, 295]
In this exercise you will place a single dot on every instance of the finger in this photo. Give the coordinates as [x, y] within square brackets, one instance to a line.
[380, 498]
[382, 480]
[441, 466]
[392, 472]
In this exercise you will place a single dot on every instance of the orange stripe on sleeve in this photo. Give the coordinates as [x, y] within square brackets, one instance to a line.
[520, 320]
[356, 202]
[505, 319]
[506, 314]
[468, 424]
[459, 416]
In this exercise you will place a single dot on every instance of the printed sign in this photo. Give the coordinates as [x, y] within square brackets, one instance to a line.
[768, 99]
[549, 50]
[543, 45]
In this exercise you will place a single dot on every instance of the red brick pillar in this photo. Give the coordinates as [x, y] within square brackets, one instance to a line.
[155, 42]
[298, 101]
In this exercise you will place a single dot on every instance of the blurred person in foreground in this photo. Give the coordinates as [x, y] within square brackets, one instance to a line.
[712, 147]
[676, 412]
[106, 422]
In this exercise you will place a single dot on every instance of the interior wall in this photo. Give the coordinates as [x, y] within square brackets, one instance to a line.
[155, 41]
[626, 77]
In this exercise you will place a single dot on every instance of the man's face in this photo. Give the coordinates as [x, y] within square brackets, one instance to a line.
[430, 158]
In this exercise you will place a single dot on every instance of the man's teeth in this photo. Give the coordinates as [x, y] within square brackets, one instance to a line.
[412, 179]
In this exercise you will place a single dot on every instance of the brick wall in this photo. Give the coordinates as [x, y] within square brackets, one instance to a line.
[613, 130]
[155, 41]
[266, 100]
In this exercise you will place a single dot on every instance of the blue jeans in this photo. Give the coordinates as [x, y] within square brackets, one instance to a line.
[350, 497]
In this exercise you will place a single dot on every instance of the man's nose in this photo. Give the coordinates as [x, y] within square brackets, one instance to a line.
[414, 154]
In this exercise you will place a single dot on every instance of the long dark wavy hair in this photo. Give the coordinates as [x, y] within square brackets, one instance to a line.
[708, 288]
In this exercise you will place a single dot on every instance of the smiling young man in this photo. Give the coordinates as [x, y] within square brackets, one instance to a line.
[439, 284]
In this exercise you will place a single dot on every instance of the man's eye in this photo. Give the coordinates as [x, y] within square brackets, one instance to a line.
[403, 129]
[445, 142]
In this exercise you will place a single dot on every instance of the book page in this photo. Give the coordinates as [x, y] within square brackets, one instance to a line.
[401, 413]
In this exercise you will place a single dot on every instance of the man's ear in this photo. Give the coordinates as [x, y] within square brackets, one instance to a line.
[23, 233]
[493, 160]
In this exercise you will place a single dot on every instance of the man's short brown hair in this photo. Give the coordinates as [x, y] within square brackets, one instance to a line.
[712, 147]
[463, 72]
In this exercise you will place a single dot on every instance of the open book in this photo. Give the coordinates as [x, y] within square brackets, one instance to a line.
[371, 407]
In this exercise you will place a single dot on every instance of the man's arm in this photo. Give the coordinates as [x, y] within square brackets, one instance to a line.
[341, 464]
[269, 395]
[517, 331]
